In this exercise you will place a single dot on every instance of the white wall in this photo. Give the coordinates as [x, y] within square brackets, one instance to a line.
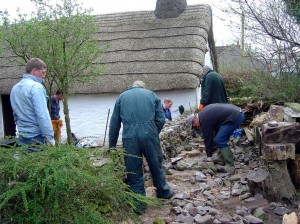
[186, 98]
[1, 120]
[208, 59]
[88, 113]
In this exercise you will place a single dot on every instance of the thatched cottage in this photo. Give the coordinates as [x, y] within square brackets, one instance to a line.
[167, 54]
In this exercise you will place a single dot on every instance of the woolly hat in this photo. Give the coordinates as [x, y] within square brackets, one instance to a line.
[206, 68]
[190, 119]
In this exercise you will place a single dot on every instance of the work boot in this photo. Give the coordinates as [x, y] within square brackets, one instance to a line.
[171, 194]
[228, 159]
[140, 207]
[217, 158]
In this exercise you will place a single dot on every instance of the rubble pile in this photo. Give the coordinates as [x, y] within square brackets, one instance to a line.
[204, 193]
[174, 137]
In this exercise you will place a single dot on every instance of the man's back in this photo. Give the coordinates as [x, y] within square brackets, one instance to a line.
[137, 105]
[23, 106]
[213, 89]
[218, 113]
[29, 104]
[141, 113]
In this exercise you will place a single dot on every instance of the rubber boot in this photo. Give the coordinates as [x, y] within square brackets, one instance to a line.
[217, 158]
[228, 159]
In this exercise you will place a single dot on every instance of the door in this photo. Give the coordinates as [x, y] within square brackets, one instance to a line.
[8, 119]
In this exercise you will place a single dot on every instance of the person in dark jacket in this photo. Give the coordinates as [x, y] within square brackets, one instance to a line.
[140, 111]
[212, 88]
[54, 114]
[166, 108]
[222, 118]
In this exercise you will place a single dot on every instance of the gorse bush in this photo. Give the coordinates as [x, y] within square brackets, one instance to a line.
[61, 185]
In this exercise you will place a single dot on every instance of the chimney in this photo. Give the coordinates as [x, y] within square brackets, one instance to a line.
[169, 8]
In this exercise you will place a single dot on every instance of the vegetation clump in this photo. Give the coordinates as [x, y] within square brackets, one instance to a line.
[61, 185]
[265, 86]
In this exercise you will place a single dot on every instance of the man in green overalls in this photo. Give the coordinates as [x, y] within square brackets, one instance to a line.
[140, 111]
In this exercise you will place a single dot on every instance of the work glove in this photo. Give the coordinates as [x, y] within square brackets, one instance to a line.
[201, 105]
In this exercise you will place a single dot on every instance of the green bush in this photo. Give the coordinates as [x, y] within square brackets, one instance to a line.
[265, 86]
[234, 82]
[61, 185]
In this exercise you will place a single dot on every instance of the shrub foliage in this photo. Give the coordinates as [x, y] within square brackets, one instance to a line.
[275, 88]
[61, 185]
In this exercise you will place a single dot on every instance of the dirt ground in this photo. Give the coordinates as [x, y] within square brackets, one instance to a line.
[180, 181]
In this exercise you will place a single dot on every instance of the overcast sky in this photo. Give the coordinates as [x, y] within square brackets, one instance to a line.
[222, 33]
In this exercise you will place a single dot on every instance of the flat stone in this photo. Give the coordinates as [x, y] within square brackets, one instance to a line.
[176, 210]
[206, 219]
[188, 219]
[236, 192]
[175, 160]
[188, 147]
[290, 218]
[281, 211]
[253, 220]
[193, 211]
[202, 210]
[182, 196]
[193, 153]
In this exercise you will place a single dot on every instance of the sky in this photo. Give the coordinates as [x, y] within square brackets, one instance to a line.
[222, 33]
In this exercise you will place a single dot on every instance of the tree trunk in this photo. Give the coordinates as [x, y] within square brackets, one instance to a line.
[273, 182]
[67, 118]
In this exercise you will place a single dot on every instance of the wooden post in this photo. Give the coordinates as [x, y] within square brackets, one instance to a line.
[106, 127]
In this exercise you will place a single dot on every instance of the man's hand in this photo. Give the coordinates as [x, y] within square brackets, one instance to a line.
[50, 143]
[201, 105]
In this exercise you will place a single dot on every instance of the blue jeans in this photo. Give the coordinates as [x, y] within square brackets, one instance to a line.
[39, 139]
[226, 131]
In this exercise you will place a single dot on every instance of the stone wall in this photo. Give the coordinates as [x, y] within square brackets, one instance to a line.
[175, 137]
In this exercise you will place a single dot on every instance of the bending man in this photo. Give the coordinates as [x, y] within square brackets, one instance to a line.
[222, 118]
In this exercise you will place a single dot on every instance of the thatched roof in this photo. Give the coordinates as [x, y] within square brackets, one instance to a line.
[166, 54]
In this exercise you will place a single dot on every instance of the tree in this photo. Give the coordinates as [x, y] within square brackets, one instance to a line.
[293, 7]
[63, 37]
[270, 32]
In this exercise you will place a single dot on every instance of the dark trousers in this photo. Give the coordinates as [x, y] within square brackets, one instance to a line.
[149, 146]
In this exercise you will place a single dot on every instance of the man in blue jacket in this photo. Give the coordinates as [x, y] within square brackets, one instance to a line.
[166, 108]
[141, 113]
[29, 103]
